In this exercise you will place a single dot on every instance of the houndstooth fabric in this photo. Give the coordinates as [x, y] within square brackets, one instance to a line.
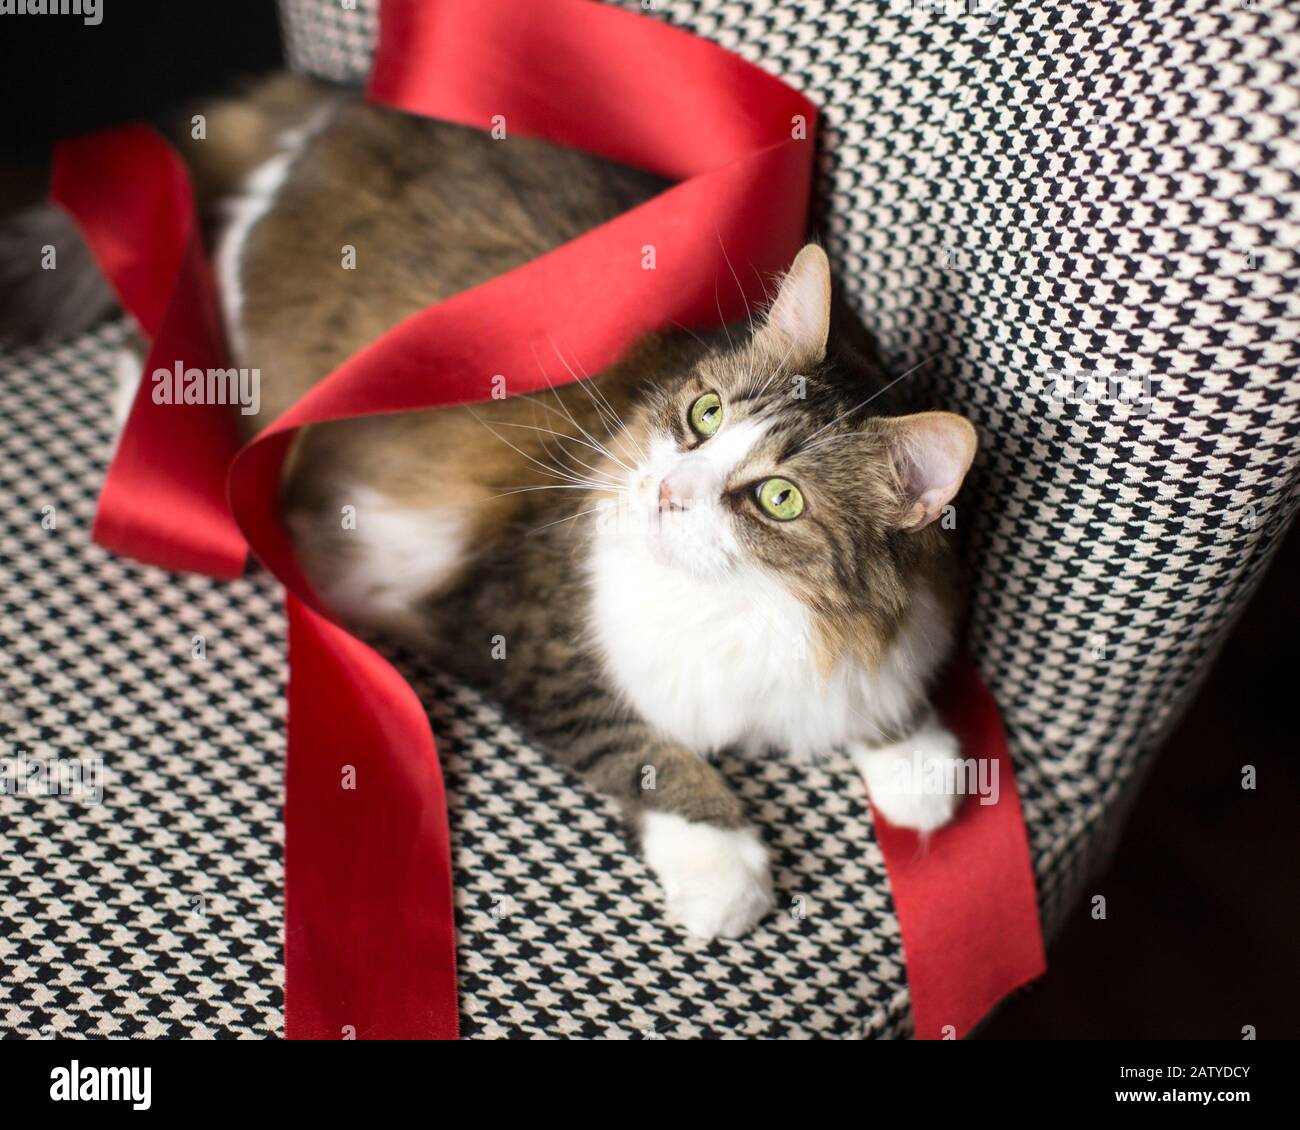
[153, 912]
[157, 911]
[1077, 223]
[1023, 201]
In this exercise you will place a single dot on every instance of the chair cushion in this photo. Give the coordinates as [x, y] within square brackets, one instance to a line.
[1023, 201]
[157, 912]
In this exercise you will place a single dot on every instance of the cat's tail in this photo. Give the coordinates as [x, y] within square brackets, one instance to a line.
[50, 286]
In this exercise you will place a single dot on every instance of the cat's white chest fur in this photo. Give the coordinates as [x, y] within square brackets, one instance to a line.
[713, 663]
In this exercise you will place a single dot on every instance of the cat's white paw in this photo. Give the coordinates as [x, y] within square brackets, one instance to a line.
[912, 783]
[716, 880]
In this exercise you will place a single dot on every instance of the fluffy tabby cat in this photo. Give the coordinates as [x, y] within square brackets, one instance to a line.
[715, 543]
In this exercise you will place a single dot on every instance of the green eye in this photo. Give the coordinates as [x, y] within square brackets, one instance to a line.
[706, 414]
[780, 498]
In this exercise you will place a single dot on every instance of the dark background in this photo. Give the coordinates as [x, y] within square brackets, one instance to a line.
[61, 77]
[1202, 921]
[1203, 904]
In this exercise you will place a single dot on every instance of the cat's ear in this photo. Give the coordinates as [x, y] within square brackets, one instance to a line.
[800, 318]
[932, 451]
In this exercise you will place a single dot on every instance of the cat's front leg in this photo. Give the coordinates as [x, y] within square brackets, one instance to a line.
[709, 860]
[716, 880]
[916, 781]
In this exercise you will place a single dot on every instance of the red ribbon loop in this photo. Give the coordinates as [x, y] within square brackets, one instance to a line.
[164, 500]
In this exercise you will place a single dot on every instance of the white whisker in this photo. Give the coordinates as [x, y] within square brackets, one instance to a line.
[567, 439]
[546, 377]
[808, 444]
[775, 372]
[592, 488]
[553, 472]
[561, 521]
[604, 409]
[749, 315]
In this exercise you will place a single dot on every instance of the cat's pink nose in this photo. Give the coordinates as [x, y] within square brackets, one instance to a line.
[669, 499]
[687, 485]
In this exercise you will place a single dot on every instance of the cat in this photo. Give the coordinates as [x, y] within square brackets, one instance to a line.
[721, 541]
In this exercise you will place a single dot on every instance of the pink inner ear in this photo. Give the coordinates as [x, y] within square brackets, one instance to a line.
[935, 463]
[938, 452]
[797, 312]
[801, 311]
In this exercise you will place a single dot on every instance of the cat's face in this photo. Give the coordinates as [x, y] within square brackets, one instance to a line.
[761, 458]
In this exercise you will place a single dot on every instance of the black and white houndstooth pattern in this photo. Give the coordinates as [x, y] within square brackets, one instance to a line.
[157, 912]
[1018, 197]
[1025, 201]
[154, 912]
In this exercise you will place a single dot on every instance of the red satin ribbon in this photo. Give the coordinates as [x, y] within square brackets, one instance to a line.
[965, 901]
[369, 934]
[164, 500]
